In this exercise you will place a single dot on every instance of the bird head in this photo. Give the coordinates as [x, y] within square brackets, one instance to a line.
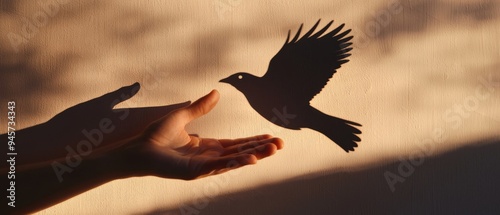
[240, 80]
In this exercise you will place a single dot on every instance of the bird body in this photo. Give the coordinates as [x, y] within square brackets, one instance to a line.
[295, 75]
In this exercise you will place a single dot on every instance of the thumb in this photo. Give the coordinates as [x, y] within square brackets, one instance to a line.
[109, 100]
[120, 95]
[202, 106]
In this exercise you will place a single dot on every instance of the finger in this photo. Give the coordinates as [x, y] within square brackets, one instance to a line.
[227, 163]
[262, 151]
[202, 106]
[108, 100]
[132, 121]
[149, 114]
[252, 144]
[120, 95]
[230, 142]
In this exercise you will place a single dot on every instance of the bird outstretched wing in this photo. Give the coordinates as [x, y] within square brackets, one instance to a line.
[303, 66]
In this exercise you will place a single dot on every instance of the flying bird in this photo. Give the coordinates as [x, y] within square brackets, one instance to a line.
[295, 75]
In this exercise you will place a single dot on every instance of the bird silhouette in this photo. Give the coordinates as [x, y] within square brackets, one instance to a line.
[295, 75]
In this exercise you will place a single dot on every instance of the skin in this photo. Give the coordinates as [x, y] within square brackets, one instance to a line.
[162, 148]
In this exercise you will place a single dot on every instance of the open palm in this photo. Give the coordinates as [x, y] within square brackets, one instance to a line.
[170, 152]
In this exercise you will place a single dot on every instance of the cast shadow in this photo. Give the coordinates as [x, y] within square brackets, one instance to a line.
[31, 71]
[405, 18]
[296, 74]
[463, 181]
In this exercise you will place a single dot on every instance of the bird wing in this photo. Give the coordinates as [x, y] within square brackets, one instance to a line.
[303, 66]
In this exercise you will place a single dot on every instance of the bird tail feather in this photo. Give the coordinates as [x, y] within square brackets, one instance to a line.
[342, 132]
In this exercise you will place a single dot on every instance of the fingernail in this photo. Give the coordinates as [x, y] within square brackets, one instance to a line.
[250, 159]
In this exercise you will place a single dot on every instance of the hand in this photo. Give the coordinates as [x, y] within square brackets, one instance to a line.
[84, 121]
[129, 121]
[167, 150]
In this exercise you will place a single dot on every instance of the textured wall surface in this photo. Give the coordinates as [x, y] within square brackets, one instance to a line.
[423, 80]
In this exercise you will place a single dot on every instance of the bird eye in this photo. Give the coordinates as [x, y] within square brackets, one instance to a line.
[240, 77]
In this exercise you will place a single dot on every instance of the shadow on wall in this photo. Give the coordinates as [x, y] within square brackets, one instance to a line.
[401, 22]
[22, 79]
[416, 16]
[404, 18]
[464, 181]
[30, 68]
[126, 26]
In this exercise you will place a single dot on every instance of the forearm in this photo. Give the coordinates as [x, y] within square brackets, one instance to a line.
[44, 186]
[42, 144]
[16, 141]
[29, 144]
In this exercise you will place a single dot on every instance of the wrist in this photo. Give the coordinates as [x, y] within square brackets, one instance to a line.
[128, 161]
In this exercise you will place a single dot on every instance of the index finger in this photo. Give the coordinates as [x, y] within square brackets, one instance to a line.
[231, 142]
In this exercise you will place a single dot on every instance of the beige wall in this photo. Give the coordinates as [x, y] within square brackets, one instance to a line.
[413, 64]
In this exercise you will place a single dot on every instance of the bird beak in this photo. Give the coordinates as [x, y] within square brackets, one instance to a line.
[225, 80]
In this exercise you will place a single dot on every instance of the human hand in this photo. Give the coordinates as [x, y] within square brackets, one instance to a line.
[95, 121]
[167, 150]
